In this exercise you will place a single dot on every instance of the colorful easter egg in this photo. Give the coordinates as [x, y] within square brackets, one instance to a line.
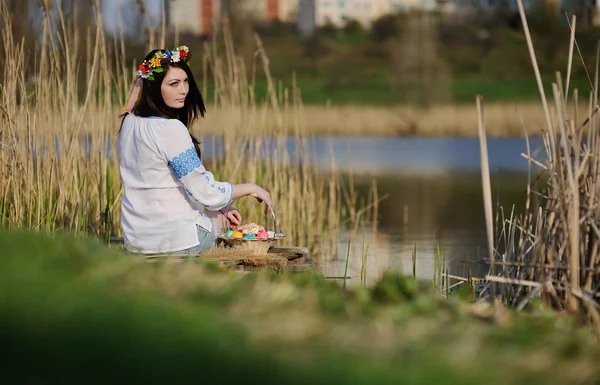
[249, 236]
[237, 234]
[228, 234]
[262, 234]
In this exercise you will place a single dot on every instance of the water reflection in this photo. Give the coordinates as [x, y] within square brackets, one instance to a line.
[434, 188]
[441, 216]
[377, 252]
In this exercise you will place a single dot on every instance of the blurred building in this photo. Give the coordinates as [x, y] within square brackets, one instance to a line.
[200, 16]
[407, 5]
[284, 10]
[193, 16]
[315, 13]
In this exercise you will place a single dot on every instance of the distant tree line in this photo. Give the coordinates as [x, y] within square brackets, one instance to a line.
[422, 49]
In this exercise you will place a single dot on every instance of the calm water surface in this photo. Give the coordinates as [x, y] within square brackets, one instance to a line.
[434, 198]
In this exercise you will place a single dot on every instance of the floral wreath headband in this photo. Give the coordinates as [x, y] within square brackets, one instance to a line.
[161, 60]
[157, 64]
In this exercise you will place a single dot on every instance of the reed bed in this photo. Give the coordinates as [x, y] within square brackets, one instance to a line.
[440, 120]
[551, 251]
[385, 121]
[58, 163]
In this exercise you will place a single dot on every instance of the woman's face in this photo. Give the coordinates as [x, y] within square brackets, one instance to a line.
[175, 87]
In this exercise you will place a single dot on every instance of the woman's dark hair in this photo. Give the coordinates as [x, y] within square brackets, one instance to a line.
[151, 103]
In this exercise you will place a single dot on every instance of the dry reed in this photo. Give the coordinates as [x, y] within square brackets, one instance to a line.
[440, 120]
[57, 159]
[356, 120]
[552, 251]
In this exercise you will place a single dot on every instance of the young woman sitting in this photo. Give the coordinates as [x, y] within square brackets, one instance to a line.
[171, 203]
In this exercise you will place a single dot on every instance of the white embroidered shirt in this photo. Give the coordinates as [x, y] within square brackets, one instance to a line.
[166, 187]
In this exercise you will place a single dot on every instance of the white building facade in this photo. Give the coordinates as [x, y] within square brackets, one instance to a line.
[406, 5]
[284, 10]
[315, 13]
[288, 10]
[193, 16]
[200, 16]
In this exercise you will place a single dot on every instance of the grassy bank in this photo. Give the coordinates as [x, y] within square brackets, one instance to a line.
[75, 311]
[504, 119]
[237, 122]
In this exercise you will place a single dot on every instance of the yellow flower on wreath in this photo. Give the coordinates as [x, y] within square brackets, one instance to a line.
[155, 62]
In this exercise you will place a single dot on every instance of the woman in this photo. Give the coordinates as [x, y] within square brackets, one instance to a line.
[171, 203]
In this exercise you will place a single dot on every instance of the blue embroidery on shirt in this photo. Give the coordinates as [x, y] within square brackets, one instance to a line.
[185, 163]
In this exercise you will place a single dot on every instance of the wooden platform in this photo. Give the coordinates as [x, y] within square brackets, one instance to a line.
[294, 258]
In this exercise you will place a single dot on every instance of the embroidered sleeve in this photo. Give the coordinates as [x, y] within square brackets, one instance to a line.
[186, 166]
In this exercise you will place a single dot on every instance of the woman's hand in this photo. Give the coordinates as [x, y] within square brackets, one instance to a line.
[263, 195]
[233, 216]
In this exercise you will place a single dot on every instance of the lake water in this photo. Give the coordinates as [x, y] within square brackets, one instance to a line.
[435, 198]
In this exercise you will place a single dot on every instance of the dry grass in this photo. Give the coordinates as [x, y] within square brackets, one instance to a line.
[248, 258]
[552, 251]
[441, 120]
[58, 173]
[450, 120]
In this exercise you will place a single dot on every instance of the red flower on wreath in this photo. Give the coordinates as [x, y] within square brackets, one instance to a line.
[145, 67]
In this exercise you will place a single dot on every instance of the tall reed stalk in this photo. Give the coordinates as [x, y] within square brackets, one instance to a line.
[552, 251]
[58, 163]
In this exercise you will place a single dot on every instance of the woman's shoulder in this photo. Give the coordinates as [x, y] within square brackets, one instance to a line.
[171, 126]
[163, 129]
[156, 122]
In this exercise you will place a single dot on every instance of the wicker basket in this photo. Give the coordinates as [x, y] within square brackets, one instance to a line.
[253, 245]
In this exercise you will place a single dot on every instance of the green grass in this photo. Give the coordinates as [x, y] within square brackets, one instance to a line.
[375, 89]
[73, 311]
[358, 72]
[497, 90]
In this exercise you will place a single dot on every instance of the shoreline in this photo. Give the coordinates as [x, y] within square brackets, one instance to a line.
[502, 120]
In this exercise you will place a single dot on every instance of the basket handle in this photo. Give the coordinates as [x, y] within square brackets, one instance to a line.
[277, 231]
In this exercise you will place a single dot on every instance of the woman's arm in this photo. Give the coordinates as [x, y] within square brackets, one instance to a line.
[239, 190]
[244, 189]
[176, 147]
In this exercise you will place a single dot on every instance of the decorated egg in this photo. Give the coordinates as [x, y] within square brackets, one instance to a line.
[262, 234]
[249, 236]
[251, 228]
[228, 234]
[271, 234]
[237, 234]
